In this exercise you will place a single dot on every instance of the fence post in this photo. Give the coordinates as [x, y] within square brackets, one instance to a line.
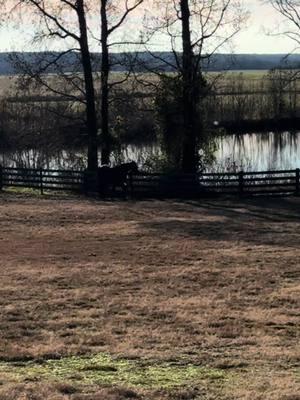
[297, 193]
[1, 177]
[241, 183]
[41, 181]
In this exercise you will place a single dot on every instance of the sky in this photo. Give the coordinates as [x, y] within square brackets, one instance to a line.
[257, 37]
[252, 39]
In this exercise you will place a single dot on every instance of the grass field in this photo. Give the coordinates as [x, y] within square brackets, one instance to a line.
[150, 300]
[252, 78]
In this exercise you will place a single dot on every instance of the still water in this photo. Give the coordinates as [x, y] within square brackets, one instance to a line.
[250, 152]
[260, 151]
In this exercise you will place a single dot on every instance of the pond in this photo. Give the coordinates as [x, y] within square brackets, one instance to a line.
[250, 152]
[259, 151]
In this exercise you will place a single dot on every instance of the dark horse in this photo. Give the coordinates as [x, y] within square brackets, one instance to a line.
[109, 178]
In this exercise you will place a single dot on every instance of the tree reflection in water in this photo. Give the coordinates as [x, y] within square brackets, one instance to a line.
[250, 152]
[260, 151]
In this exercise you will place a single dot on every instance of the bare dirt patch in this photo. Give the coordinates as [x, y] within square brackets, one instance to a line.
[211, 284]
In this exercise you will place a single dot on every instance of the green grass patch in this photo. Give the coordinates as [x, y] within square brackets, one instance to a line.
[104, 370]
[22, 190]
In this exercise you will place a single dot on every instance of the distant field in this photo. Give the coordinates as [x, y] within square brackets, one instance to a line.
[234, 96]
[7, 83]
[150, 300]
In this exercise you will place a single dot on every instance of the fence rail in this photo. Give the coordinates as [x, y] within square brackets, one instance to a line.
[147, 184]
[235, 183]
[42, 179]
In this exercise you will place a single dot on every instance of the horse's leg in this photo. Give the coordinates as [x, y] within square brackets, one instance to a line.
[125, 190]
[130, 183]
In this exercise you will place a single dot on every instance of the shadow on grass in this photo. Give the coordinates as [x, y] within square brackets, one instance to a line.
[254, 221]
[281, 209]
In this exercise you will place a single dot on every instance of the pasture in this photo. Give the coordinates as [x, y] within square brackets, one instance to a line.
[149, 300]
[252, 79]
[233, 96]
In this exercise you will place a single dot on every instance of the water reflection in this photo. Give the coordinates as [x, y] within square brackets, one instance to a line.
[256, 152]
[250, 152]
[32, 158]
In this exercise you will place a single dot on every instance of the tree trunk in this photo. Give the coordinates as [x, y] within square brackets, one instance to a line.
[91, 115]
[189, 151]
[105, 69]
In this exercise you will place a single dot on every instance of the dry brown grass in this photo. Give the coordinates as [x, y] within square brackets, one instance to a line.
[214, 282]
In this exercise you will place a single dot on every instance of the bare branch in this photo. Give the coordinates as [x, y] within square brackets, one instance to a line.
[128, 10]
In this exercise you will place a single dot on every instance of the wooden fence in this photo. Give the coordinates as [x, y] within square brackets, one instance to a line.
[42, 179]
[209, 184]
[154, 185]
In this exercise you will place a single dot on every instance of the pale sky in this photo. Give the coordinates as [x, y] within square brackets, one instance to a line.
[252, 39]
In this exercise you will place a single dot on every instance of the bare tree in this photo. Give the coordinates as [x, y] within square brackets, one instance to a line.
[113, 16]
[290, 10]
[195, 29]
[66, 23]
[63, 21]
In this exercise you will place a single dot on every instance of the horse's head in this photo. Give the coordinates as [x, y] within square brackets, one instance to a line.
[133, 167]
